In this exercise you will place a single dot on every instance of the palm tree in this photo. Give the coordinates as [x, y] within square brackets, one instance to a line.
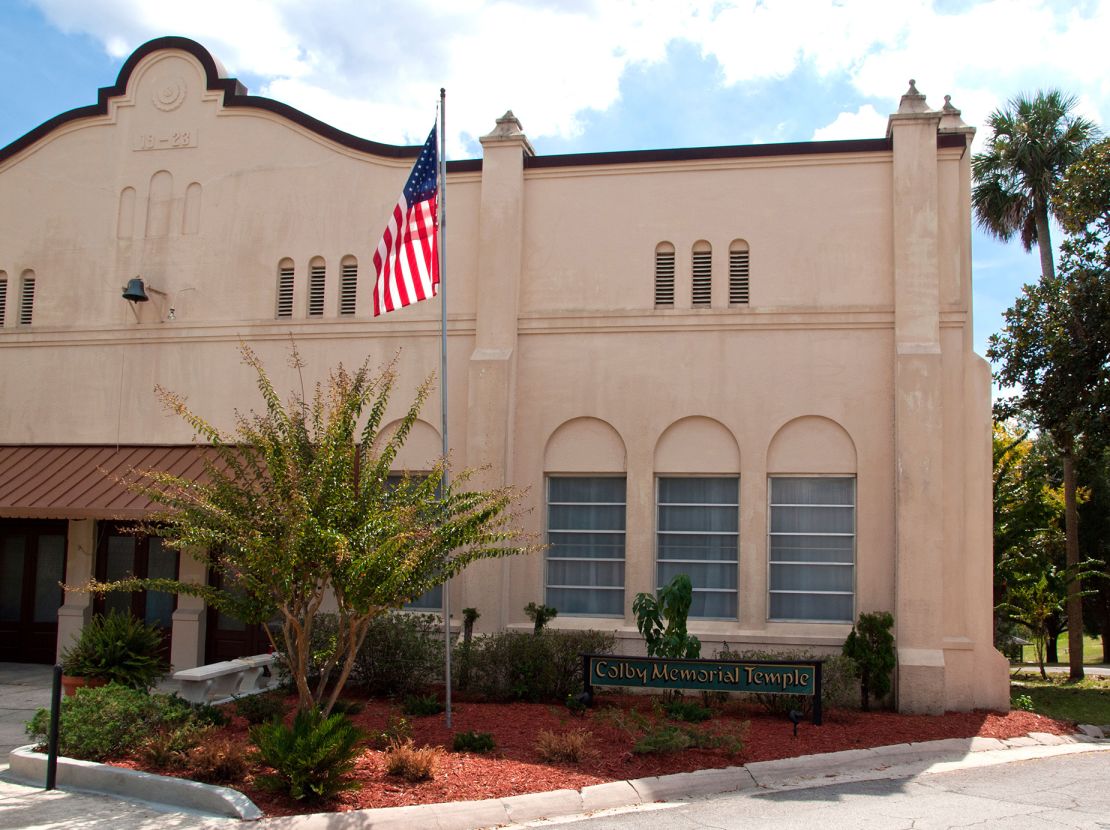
[1034, 141]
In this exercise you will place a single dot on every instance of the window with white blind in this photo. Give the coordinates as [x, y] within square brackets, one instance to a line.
[664, 275]
[738, 273]
[27, 299]
[585, 534]
[316, 277]
[697, 534]
[3, 297]
[812, 548]
[348, 287]
[285, 289]
[702, 296]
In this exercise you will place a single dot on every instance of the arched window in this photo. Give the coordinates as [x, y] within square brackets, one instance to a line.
[285, 288]
[348, 286]
[27, 298]
[702, 285]
[664, 275]
[316, 278]
[738, 273]
[3, 296]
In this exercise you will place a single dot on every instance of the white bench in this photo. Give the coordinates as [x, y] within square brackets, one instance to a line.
[222, 682]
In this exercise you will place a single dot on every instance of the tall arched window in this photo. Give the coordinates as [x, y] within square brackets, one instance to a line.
[738, 272]
[27, 298]
[285, 288]
[348, 286]
[702, 285]
[3, 296]
[316, 277]
[664, 275]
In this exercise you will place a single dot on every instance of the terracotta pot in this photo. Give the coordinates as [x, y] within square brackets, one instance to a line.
[71, 683]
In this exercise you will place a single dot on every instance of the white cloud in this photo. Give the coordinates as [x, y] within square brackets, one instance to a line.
[863, 123]
[375, 68]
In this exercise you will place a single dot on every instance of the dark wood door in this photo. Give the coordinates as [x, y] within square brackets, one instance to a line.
[227, 637]
[32, 566]
[120, 554]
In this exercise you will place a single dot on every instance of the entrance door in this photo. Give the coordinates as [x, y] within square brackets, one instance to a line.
[32, 566]
[228, 637]
[122, 554]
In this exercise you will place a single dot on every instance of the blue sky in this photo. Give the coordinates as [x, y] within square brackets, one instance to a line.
[588, 75]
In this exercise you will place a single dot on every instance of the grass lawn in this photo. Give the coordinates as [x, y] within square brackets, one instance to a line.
[1092, 650]
[1087, 701]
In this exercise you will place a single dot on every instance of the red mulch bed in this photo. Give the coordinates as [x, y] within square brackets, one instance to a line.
[514, 767]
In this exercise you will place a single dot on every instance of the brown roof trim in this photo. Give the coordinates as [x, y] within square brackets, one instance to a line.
[235, 95]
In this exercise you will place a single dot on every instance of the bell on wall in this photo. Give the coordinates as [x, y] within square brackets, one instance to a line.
[134, 291]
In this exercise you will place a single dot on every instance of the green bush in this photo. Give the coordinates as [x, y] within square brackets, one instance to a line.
[870, 647]
[401, 655]
[477, 742]
[662, 738]
[310, 758]
[421, 706]
[120, 648]
[260, 708]
[838, 684]
[513, 665]
[686, 710]
[109, 721]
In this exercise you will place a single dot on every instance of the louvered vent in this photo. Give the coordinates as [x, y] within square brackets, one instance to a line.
[348, 289]
[316, 291]
[703, 279]
[664, 279]
[3, 300]
[27, 301]
[285, 291]
[738, 278]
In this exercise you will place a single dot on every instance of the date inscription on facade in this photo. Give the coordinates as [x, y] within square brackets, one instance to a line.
[166, 140]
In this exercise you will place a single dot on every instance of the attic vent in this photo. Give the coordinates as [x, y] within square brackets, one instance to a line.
[738, 273]
[316, 290]
[3, 296]
[348, 288]
[664, 275]
[285, 289]
[27, 299]
[702, 296]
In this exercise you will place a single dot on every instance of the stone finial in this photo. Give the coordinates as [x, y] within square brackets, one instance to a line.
[912, 100]
[508, 129]
[950, 117]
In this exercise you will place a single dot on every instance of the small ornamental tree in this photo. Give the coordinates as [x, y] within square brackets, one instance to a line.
[294, 506]
[540, 615]
[662, 620]
[870, 647]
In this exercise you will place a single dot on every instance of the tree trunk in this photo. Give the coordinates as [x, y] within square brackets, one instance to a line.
[1044, 239]
[1075, 601]
[1054, 627]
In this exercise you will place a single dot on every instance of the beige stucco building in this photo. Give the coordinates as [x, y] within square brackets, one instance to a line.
[752, 364]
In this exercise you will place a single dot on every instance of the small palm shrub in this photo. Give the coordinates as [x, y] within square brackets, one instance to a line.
[310, 758]
[120, 648]
[665, 738]
[256, 709]
[477, 742]
[406, 761]
[220, 761]
[168, 747]
[421, 706]
[571, 747]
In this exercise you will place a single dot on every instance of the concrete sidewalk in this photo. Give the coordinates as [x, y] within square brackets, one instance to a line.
[24, 688]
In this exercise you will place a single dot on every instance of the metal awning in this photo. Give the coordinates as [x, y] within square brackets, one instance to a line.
[73, 481]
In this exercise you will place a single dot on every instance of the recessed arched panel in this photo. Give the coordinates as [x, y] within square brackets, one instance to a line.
[125, 216]
[190, 223]
[421, 449]
[584, 445]
[811, 444]
[697, 445]
[159, 204]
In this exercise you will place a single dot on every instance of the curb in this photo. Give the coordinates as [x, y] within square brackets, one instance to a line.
[29, 767]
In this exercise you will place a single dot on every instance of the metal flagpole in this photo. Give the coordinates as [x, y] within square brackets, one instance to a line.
[442, 204]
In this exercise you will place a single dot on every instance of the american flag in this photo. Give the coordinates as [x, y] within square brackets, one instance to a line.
[407, 260]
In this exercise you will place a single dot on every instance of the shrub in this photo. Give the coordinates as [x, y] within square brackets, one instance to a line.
[401, 655]
[838, 685]
[540, 615]
[512, 665]
[686, 710]
[406, 761]
[479, 742]
[120, 648]
[420, 707]
[168, 746]
[662, 620]
[396, 731]
[662, 738]
[310, 758]
[261, 708]
[218, 761]
[570, 747]
[102, 722]
[870, 647]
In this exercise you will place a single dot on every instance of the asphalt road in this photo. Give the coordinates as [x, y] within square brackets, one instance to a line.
[1063, 792]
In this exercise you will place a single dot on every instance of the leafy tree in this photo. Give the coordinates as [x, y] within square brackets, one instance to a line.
[870, 647]
[1055, 348]
[1082, 201]
[662, 620]
[1033, 142]
[540, 615]
[294, 507]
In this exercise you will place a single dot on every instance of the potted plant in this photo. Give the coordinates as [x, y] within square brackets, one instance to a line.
[117, 648]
